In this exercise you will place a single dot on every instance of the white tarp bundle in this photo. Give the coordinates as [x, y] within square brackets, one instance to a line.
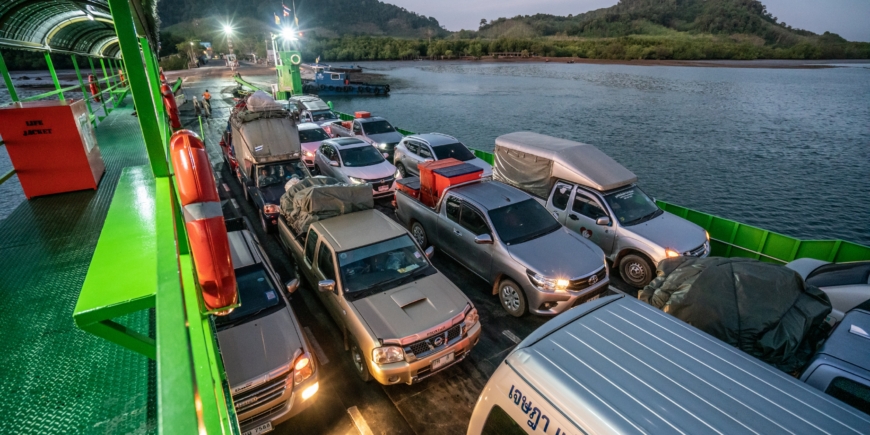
[262, 102]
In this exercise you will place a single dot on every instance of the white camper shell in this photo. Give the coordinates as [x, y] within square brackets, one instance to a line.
[619, 366]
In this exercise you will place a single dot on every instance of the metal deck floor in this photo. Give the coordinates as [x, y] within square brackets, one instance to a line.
[56, 378]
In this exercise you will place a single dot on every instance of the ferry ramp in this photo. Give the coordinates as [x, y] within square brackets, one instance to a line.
[56, 377]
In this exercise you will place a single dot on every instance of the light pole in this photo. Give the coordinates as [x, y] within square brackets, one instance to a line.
[229, 31]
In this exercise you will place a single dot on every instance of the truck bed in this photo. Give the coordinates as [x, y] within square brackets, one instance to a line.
[289, 239]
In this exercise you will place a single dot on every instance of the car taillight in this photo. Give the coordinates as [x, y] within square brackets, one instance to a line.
[271, 209]
[303, 368]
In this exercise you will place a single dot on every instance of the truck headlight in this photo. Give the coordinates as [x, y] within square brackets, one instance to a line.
[388, 354]
[471, 318]
[303, 368]
[271, 209]
[354, 180]
[383, 146]
[670, 253]
[706, 233]
[309, 154]
[549, 284]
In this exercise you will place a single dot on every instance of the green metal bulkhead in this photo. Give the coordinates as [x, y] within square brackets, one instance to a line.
[289, 75]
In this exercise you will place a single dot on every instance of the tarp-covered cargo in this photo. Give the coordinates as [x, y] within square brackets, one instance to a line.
[263, 132]
[763, 309]
[533, 162]
[318, 198]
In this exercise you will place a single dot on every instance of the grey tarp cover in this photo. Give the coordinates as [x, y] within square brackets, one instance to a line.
[763, 309]
[266, 139]
[260, 101]
[530, 161]
[314, 199]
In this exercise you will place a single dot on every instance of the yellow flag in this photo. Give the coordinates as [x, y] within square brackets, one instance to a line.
[277, 19]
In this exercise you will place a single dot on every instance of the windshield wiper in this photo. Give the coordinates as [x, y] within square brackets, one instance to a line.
[378, 285]
[643, 218]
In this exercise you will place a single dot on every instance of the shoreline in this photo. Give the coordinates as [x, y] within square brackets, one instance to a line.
[723, 63]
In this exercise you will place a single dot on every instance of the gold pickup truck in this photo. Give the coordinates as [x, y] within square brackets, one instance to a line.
[402, 320]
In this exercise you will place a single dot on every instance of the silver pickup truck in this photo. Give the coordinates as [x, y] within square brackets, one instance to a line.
[374, 130]
[593, 195]
[507, 238]
[402, 320]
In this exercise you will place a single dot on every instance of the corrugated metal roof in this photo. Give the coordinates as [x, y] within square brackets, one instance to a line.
[629, 368]
[75, 26]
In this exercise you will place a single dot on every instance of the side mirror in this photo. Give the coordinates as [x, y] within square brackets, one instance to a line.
[483, 239]
[292, 286]
[428, 159]
[333, 163]
[603, 221]
[430, 252]
[326, 286]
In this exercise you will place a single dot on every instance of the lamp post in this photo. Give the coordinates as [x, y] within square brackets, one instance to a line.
[229, 32]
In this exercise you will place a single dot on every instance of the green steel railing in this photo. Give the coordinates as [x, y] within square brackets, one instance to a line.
[238, 78]
[733, 239]
[9, 174]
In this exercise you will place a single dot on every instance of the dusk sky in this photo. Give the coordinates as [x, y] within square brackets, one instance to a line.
[849, 18]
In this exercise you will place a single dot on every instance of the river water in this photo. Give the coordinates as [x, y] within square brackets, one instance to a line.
[783, 149]
[786, 150]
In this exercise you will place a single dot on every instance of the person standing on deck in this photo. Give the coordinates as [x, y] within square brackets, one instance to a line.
[197, 107]
[206, 102]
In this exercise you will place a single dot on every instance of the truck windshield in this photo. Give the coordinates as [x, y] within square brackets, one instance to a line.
[257, 296]
[322, 115]
[312, 135]
[379, 264]
[632, 206]
[361, 156]
[453, 151]
[377, 127]
[281, 173]
[523, 221]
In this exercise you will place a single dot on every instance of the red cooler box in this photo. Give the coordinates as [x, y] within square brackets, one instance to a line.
[52, 146]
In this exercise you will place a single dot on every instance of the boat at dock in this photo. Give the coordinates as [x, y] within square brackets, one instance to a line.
[105, 322]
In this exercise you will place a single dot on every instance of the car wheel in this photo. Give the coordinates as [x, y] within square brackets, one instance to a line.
[419, 234]
[636, 270]
[401, 169]
[267, 227]
[512, 298]
[359, 362]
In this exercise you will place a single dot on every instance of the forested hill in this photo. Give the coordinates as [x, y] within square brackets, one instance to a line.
[327, 17]
[634, 17]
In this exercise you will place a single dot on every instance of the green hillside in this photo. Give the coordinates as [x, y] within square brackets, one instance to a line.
[324, 17]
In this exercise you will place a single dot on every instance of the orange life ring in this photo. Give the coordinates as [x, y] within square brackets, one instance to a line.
[162, 77]
[204, 220]
[95, 89]
[171, 107]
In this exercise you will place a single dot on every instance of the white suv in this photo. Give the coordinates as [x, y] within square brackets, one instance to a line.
[419, 148]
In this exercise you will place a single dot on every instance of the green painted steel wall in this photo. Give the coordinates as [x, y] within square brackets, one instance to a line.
[734, 239]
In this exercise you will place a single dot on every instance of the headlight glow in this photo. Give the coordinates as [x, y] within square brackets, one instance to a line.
[382, 146]
[388, 354]
[309, 154]
[271, 209]
[354, 180]
[670, 253]
[549, 284]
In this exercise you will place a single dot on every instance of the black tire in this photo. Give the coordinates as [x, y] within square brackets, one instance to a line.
[360, 89]
[322, 87]
[267, 227]
[512, 298]
[636, 270]
[377, 91]
[401, 168]
[368, 89]
[331, 88]
[359, 362]
[387, 89]
[419, 234]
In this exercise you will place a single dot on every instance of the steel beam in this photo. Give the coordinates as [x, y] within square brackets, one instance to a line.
[8, 79]
[139, 87]
[53, 75]
[84, 90]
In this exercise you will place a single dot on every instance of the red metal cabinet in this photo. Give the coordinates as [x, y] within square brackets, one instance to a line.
[52, 146]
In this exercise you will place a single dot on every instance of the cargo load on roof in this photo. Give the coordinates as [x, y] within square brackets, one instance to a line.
[264, 130]
[318, 198]
[533, 162]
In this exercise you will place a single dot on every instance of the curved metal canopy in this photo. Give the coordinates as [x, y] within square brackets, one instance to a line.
[74, 26]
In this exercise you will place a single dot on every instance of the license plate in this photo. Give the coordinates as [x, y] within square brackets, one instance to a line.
[441, 362]
[263, 428]
[383, 188]
[593, 298]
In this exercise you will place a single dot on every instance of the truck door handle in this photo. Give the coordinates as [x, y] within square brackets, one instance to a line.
[573, 217]
[456, 232]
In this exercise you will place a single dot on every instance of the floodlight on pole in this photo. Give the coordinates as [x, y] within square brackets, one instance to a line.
[228, 29]
[288, 34]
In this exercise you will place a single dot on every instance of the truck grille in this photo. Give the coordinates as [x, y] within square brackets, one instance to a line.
[260, 394]
[697, 252]
[430, 345]
[273, 410]
[582, 283]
